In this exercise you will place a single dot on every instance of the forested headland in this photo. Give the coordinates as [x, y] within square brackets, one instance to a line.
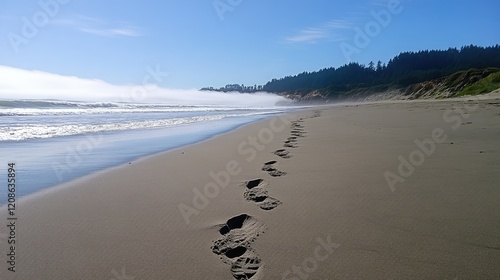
[448, 72]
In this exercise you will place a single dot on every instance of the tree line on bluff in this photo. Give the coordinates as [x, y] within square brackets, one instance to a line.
[403, 70]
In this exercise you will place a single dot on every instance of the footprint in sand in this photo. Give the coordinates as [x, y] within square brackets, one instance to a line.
[283, 153]
[298, 134]
[238, 233]
[296, 125]
[245, 267]
[269, 167]
[317, 114]
[257, 193]
[289, 144]
[276, 173]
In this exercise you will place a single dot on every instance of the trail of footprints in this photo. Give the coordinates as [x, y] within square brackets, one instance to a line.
[239, 232]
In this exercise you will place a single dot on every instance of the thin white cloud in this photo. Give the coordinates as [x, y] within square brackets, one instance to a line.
[338, 24]
[99, 27]
[337, 29]
[331, 30]
[27, 84]
[111, 32]
[308, 35]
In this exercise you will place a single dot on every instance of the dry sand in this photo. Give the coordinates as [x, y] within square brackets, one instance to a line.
[320, 209]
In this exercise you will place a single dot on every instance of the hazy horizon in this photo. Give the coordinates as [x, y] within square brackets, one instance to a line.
[22, 84]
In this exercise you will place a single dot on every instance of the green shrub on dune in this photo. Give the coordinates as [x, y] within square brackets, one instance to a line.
[486, 85]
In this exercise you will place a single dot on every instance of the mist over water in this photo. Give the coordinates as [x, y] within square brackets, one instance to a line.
[46, 121]
[58, 128]
[26, 84]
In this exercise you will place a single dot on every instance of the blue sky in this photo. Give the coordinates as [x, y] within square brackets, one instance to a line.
[212, 43]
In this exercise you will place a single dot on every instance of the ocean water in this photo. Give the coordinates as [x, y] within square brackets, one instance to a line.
[53, 141]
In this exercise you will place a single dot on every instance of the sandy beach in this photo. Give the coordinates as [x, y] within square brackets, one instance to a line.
[406, 190]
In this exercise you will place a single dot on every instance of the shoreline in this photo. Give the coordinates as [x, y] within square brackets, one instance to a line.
[97, 174]
[65, 162]
[320, 208]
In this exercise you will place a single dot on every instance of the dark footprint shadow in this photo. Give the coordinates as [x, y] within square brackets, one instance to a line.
[276, 173]
[269, 168]
[283, 153]
[259, 195]
[290, 145]
[238, 233]
[269, 165]
[233, 223]
[256, 183]
[269, 203]
[235, 252]
[298, 134]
